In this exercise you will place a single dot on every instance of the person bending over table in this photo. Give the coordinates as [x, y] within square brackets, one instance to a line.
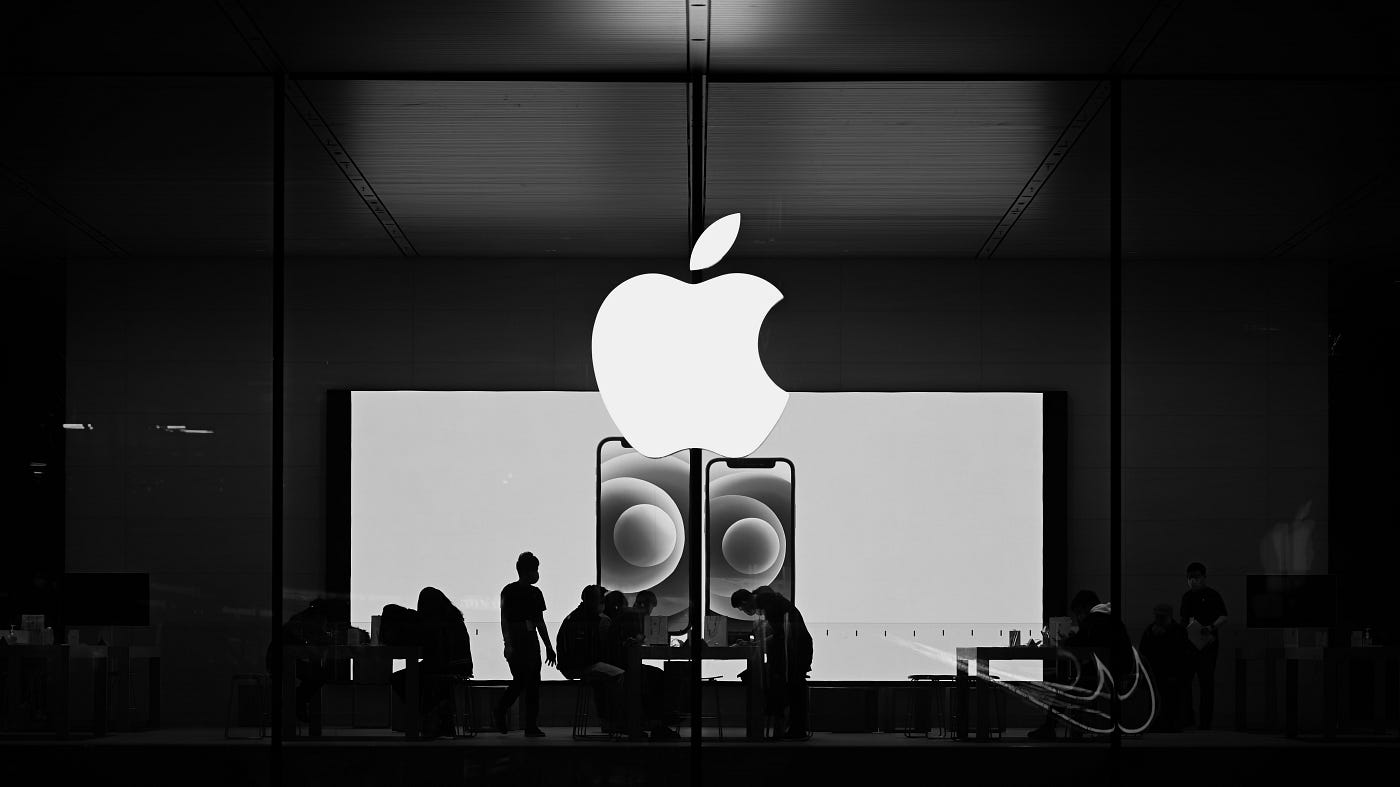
[1096, 628]
[788, 644]
[624, 631]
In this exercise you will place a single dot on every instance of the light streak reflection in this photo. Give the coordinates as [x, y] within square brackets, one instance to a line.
[1067, 701]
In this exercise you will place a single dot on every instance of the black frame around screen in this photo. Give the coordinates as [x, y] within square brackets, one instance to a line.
[790, 525]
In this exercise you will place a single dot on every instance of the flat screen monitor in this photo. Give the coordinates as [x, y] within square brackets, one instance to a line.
[922, 516]
[106, 599]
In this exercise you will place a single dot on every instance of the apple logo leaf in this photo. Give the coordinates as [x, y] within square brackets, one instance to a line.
[714, 242]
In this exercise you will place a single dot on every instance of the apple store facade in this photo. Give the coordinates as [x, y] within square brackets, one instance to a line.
[309, 305]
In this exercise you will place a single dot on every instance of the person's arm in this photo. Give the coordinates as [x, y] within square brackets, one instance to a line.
[1188, 610]
[548, 646]
[1213, 628]
[505, 631]
[1220, 621]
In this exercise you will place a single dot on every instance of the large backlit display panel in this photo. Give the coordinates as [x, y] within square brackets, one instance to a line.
[921, 514]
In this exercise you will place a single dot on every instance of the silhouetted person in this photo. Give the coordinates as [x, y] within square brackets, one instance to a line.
[627, 630]
[446, 652]
[1168, 654]
[1203, 607]
[1097, 629]
[311, 626]
[582, 637]
[522, 629]
[788, 644]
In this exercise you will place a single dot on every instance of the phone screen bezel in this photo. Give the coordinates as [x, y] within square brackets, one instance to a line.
[756, 462]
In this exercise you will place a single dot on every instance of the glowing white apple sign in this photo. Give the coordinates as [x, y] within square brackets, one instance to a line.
[677, 363]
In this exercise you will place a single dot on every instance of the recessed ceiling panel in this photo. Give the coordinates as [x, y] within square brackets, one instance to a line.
[877, 169]
[962, 36]
[521, 169]
[480, 35]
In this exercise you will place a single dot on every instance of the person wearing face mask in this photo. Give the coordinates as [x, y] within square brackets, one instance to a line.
[523, 629]
[1203, 613]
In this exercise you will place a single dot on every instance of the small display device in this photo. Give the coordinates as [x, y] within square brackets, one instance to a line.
[716, 631]
[1057, 630]
[656, 631]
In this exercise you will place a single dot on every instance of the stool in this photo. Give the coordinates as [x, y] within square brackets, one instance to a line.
[716, 716]
[938, 687]
[998, 703]
[678, 674]
[259, 681]
[583, 707]
[770, 723]
[459, 701]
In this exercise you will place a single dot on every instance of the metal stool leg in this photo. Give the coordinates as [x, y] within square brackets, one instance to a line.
[463, 715]
[260, 683]
[583, 703]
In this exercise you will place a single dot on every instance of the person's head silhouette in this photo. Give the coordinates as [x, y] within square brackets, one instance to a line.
[435, 605]
[743, 600]
[1082, 604]
[528, 567]
[591, 598]
[614, 602]
[1196, 576]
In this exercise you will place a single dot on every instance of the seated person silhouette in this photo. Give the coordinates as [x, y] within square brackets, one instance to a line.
[311, 626]
[626, 630]
[1096, 628]
[447, 652]
[581, 649]
[788, 644]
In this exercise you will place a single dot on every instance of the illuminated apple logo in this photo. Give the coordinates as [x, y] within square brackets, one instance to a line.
[677, 363]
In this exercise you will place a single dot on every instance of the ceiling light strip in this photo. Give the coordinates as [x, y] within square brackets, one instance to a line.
[1058, 151]
[262, 49]
[252, 35]
[43, 198]
[1146, 33]
[1356, 197]
[301, 102]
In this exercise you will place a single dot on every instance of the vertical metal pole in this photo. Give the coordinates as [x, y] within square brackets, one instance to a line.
[279, 145]
[696, 535]
[1115, 522]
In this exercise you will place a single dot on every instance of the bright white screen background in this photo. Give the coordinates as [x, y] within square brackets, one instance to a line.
[919, 516]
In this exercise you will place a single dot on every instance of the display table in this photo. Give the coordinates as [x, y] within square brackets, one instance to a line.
[321, 654]
[109, 670]
[1334, 668]
[633, 681]
[983, 657]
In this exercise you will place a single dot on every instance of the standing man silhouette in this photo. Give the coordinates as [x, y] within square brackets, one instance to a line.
[522, 628]
[1203, 610]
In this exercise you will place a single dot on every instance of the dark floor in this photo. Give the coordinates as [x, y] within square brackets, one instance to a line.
[204, 756]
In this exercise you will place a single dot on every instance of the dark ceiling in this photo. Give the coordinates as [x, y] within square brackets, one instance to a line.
[839, 129]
